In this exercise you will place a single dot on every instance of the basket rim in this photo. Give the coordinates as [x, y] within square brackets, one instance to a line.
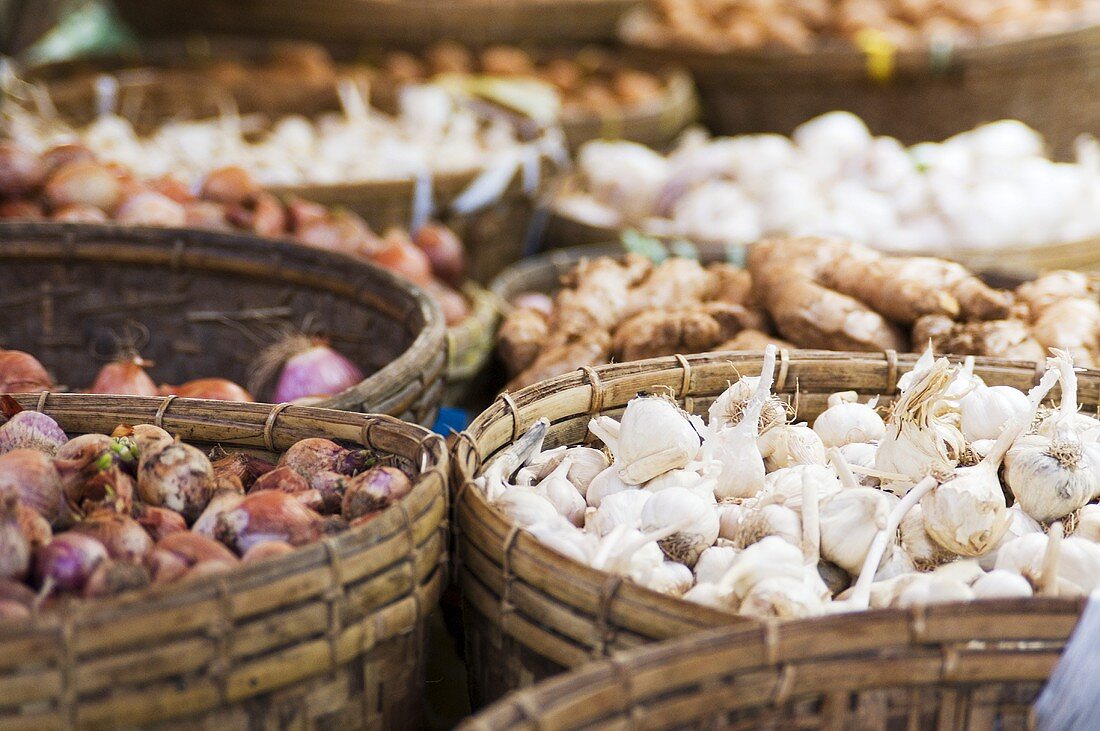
[62, 239]
[514, 412]
[246, 419]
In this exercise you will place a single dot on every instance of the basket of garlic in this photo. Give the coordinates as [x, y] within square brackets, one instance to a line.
[289, 322]
[274, 567]
[989, 198]
[935, 667]
[439, 157]
[639, 501]
[766, 67]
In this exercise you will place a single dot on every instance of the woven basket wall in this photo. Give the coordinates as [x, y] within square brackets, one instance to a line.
[209, 302]
[530, 611]
[409, 21]
[329, 636]
[1050, 82]
[973, 666]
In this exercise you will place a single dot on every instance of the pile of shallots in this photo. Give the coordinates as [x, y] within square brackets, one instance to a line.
[100, 515]
[963, 491]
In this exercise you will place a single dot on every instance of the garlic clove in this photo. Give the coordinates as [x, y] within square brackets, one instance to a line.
[781, 598]
[771, 557]
[729, 520]
[1088, 523]
[606, 483]
[984, 412]
[934, 591]
[711, 595]
[525, 507]
[713, 563]
[787, 446]
[655, 436]
[847, 422]
[769, 520]
[668, 577]
[849, 521]
[565, 498]
[785, 485]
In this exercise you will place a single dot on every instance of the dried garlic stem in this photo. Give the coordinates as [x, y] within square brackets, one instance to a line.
[843, 469]
[811, 526]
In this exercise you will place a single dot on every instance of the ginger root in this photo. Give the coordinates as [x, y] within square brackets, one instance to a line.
[590, 349]
[1010, 339]
[654, 333]
[753, 340]
[520, 338]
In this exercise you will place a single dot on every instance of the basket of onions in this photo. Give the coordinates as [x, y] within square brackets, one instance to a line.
[769, 66]
[639, 501]
[933, 667]
[179, 561]
[135, 310]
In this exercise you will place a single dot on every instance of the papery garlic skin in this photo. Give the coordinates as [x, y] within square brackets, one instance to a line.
[606, 483]
[847, 422]
[965, 516]
[1088, 523]
[850, 519]
[1078, 561]
[729, 520]
[711, 595]
[917, 544]
[781, 598]
[933, 591]
[985, 411]
[769, 520]
[677, 505]
[561, 493]
[565, 538]
[787, 446]
[586, 464]
[621, 508]
[771, 557]
[714, 563]
[669, 578]
[1020, 524]
[655, 436]
[692, 481]
[525, 507]
[785, 485]
[858, 455]
[1001, 584]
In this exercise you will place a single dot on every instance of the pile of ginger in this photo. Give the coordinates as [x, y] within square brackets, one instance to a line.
[814, 293]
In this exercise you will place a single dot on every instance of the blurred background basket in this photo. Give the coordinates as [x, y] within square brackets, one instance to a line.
[1050, 82]
[209, 302]
[972, 666]
[529, 611]
[329, 636]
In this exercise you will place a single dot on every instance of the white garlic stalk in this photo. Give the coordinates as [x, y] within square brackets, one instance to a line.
[730, 454]
[919, 431]
[1051, 478]
[1048, 579]
[847, 421]
[728, 410]
[562, 494]
[655, 436]
[850, 520]
[697, 521]
[790, 445]
[967, 514]
[986, 410]
[621, 508]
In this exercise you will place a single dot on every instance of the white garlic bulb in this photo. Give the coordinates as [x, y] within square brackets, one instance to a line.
[985, 411]
[934, 591]
[1077, 565]
[621, 508]
[693, 481]
[785, 485]
[729, 520]
[525, 507]
[697, 521]
[1051, 478]
[586, 464]
[772, 519]
[728, 409]
[565, 538]
[565, 498]
[606, 483]
[668, 577]
[782, 598]
[847, 421]
[655, 436]
[714, 563]
[920, 431]
[711, 595]
[1000, 584]
[916, 542]
[861, 455]
[1019, 524]
[771, 557]
[898, 564]
[1088, 523]
[790, 445]
[850, 519]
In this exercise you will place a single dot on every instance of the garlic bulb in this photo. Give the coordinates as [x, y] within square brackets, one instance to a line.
[1077, 566]
[525, 507]
[1019, 524]
[686, 479]
[861, 457]
[606, 483]
[934, 591]
[847, 421]
[655, 436]
[850, 520]
[562, 494]
[898, 564]
[770, 558]
[771, 519]
[787, 446]
[586, 464]
[714, 562]
[711, 595]
[917, 544]
[785, 485]
[782, 598]
[1088, 523]
[621, 508]
[668, 577]
[919, 431]
[697, 519]
[729, 520]
[1000, 584]
[986, 410]
[564, 537]
[728, 409]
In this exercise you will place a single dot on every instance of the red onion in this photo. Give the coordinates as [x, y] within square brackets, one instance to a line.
[158, 522]
[22, 373]
[17, 592]
[341, 231]
[21, 210]
[262, 214]
[84, 181]
[283, 479]
[20, 171]
[454, 306]
[266, 550]
[112, 578]
[400, 255]
[312, 499]
[171, 187]
[28, 429]
[80, 213]
[149, 208]
[245, 468]
[207, 215]
[302, 213]
[67, 561]
[221, 501]
[265, 516]
[445, 252]
[216, 389]
[15, 549]
[80, 460]
[122, 536]
[64, 154]
[36, 528]
[193, 548]
[204, 569]
[13, 611]
[310, 457]
[126, 377]
[146, 437]
[165, 566]
[331, 486]
[32, 477]
[176, 476]
[228, 185]
[374, 490]
[110, 487]
[309, 368]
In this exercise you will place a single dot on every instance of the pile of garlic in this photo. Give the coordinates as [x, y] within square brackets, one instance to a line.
[991, 187]
[753, 514]
[432, 134]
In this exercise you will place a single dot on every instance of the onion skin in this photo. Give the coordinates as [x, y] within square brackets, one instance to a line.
[165, 566]
[29, 430]
[20, 171]
[401, 256]
[261, 214]
[126, 377]
[312, 455]
[215, 389]
[193, 548]
[112, 578]
[84, 182]
[68, 561]
[81, 459]
[282, 479]
[302, 213]
[228, 185]
[445, 252]
[147, 437]
[110, 487]
[454, 306]
[22, 373]
[15, 548]
[207, 215]
[159, 523]
[32, 477]
[17, 592]
[13, 611]
[122, 536]
[221, 501]
[149, 208]
[21, 210]
[176, 476]
[262, 551]
[63, 154]
[374, 490]
[266, 516]
[244, 468]
[80, 213]
[332, 486]
[35, 528]
[316, 371]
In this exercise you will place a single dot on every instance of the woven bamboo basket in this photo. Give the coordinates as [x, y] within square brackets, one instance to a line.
[976, 666]
[1022, 261]
[1050, 82]
[529, 611]
[209, 302]
[470, 345]
[407, 21]
[330, 636]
